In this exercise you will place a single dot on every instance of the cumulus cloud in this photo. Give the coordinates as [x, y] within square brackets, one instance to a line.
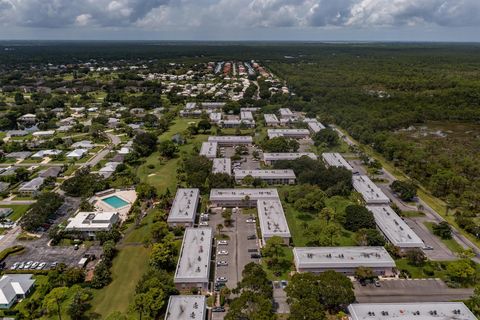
[156, 14]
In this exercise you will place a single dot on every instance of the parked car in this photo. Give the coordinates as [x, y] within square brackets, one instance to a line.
[377, 283]
[222, 242]
[250, 220]
[203, 224]
[218, 309]
[222, 263]
[284, 283]
[221, 279]
[34, 265]
[255, 256]
[53, 265]
[21, 265]
[14, 266]
[252, 250]
[428, 248]
[41, 265]
[27, 265]
[222, 252]
[251, 237]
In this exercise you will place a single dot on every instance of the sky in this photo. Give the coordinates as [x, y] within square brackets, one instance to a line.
[303, 20]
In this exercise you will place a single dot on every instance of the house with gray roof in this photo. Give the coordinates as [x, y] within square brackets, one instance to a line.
[14, 287]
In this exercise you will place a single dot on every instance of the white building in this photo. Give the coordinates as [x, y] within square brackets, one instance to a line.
[409, 311]
[335, 159]
[215, 117]
[315, 126]
[186, 307]
[89, 223]
[222, 165]
[43, 134]
[14, 287]
[246, 115]
[343, 259]
[282, 176]
[184, 208]
[271, 120]
[370, 192]
[271, 158]
[288, 133]
[209, 149]
[272, 220]
[231, 140]
[84, 144]
[240, 197]
[236, 123]
[108, 169]
[193, 267]
[77, 154]
[394, 228]
[46, 153]
[286, 113]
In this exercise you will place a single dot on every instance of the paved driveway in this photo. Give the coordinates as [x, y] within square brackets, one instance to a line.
[421, 290]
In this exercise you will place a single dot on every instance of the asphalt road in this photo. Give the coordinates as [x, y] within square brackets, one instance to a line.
[422, 290]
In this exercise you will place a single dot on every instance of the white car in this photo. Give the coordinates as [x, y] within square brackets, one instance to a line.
[34, 265]
[250, 220]
[222, 252]
[203, 224]
[41, 265]
[222, 242]
[221, 279]
[222, 263]
[14, 266]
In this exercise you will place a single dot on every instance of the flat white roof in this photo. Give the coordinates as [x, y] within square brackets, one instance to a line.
[369, 191]
[246, 115]
[287, 132]
[215, 116]
[185, 307]
[272, 218]
[240, 194]
[209, 149]
[342, 257]
[270, 118]
[335, 159]
[194, 261]
[92, 221]
[222, 165]
[315, 126]
[230, 139]
[265, 174]
[287, 156]
[394, 228]
[184, 206]
[409, 311]
[285, 112]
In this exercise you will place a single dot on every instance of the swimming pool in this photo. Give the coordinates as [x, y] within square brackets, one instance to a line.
[115, 202]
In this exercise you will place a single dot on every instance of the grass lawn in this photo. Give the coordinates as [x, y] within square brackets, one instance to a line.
[286, 273]
[296, 221]
[434, 269]
[450, 243]
[128, 267]
[18, 210]
[412, 214]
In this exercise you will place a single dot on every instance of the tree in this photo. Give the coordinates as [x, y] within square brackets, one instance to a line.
[248, 180]
[250, 306]
[163, 255]
[443, 230]
[416, 257]
[364, 273]
[204, 125]
[78, 306]
[336, 290]
[149, 303]
[406, 190]
[474, 302]
[221, 180]
[145, 143]
[280, 144]
[167, 149]
[369, 237]
[146, 191]
[461, 271]
[358, 217]
[307, 309]
[326, 137]
[53, 300]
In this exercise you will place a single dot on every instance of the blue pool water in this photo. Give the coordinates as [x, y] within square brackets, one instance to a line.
[115, 202]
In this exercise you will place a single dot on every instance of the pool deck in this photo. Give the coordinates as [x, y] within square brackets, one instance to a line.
[128, 195]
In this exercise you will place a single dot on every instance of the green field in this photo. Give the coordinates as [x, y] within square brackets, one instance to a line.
[18, 210]
[128, 267]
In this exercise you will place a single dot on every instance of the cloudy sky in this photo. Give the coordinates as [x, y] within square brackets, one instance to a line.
[392, 20]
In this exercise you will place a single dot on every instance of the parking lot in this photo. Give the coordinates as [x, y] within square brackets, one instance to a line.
[39, 251]
[237, 247]
[420, 290]
[247, 162]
